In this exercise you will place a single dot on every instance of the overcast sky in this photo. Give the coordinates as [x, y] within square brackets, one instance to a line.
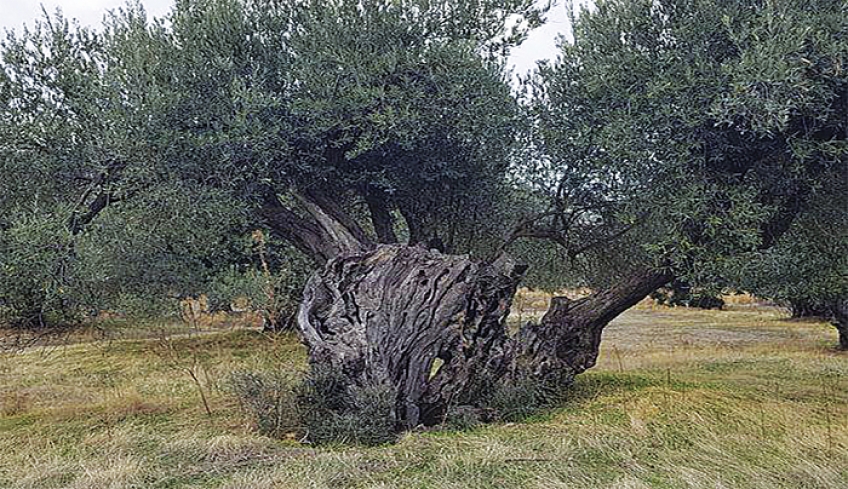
[14, 13]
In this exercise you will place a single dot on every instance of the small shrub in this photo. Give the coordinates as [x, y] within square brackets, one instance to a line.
[38, 282]
[334, 412]
[321, 407]
[271, 286]
[508, 400]
[462, 417]
[270, 398]
[325, 390]
[516, 400]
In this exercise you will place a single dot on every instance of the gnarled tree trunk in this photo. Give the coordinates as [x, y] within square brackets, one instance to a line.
[384, 317]
[431, 326]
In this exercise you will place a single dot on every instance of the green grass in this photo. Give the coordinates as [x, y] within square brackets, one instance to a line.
[679, 399]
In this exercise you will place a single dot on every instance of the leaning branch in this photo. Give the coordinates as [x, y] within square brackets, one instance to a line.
[86, 208]
[303, 234]
[322, 230]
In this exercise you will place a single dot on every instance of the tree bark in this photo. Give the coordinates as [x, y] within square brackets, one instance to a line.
[839, 319]
[381, 217]
[383, 317]
[87, 209]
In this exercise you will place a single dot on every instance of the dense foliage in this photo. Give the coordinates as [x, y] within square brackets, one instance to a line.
[140, 155]
[711, 124]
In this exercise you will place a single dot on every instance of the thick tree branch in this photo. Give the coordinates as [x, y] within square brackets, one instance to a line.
[323, 233]
[336, 221]
[303, 234]
[81, 218]
[413, 225]
[381, 217]
[78, 221]
[566, 341]
[606, 305]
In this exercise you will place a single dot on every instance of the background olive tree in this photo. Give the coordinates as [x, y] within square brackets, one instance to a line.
[807, 270]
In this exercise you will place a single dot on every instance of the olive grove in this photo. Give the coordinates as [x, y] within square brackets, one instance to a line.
[383, 141]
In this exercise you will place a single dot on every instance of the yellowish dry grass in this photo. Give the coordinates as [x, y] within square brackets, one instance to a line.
[680, 399]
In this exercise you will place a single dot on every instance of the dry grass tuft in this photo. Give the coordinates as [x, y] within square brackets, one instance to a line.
[233, 449]
[119, 472]
[14, 403]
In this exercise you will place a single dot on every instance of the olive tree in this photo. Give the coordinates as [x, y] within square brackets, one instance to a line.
[91, 211]
[383, 140]
[808, 268]
[702, 130]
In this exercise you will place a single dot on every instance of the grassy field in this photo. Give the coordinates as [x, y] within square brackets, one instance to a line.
[680, 399]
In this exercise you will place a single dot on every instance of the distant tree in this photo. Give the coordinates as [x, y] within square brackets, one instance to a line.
[808, 268]
[92, 214]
